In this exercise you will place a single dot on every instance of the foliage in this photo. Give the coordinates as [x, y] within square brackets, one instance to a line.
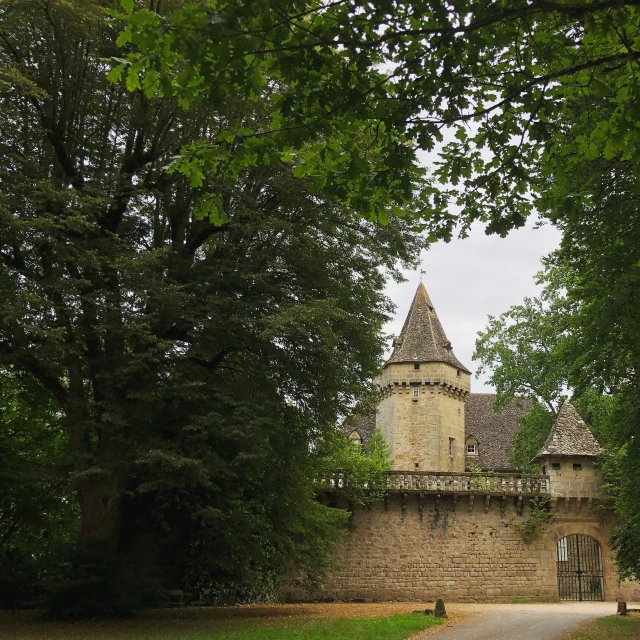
[501, 74]
[524, 350]
[474, 467]
[194, 359]
[535, 427]
[364, 467]
[540, 515]
[595, 276]
[37, 510]
[598, 266]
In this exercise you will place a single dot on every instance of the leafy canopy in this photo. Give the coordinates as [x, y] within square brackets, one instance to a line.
[499, 74]
[197, 334]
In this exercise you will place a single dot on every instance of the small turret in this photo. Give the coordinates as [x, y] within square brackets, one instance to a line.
[568, 456]
[423, 388]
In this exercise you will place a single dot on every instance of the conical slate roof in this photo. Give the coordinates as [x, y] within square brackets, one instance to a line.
[422, 338]
[569, 436]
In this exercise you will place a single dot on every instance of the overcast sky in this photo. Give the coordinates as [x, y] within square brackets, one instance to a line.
[469, 279]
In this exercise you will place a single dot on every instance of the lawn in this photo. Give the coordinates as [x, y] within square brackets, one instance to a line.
[209, 625]
[610, 628]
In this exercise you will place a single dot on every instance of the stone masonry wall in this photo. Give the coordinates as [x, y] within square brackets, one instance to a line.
[418, 429]
[567, 481]
[459, 554]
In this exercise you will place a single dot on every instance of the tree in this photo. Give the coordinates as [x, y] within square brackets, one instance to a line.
[198, 333]
[595, 327]
[524, 348]
[37, 509]
[503, 75]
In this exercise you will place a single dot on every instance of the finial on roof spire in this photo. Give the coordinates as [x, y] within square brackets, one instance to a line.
[422, 272]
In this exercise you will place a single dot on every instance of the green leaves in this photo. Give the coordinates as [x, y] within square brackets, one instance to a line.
[212, 208]
[133, 79]
[514, 77]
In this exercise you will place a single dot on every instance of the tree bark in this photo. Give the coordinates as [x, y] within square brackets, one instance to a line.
[100, 498]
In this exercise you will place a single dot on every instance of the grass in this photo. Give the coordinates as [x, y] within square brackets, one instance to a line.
[394, 627]
[610, 628]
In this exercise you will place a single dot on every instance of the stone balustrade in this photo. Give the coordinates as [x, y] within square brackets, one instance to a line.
[516, 484]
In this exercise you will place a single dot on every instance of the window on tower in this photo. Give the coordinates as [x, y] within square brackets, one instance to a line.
[416, 366]
[416, 392]
[451, 446]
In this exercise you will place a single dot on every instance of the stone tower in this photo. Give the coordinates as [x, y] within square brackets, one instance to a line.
[423, 386]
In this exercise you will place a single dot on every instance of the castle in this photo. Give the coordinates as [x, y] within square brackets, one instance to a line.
[443, 532]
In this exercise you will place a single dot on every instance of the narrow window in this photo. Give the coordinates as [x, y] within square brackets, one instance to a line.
[458, 372]
[544, 470]
[471, 448]
[555, 466]
[416, 465]
[416, 366]
[451, 446]
[577, 467]
[416, 392]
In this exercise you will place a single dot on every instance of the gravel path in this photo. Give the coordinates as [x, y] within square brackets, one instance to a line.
[520, 622]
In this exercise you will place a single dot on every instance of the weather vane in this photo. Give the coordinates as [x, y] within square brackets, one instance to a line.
[422, 272]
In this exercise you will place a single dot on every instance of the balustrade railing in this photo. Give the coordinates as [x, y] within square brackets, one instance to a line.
[447, 482]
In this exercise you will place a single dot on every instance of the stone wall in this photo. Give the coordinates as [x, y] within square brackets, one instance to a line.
[572, 476]
[418, 429]
[437, 548]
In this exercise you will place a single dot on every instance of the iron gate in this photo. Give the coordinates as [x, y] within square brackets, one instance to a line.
[579, 569]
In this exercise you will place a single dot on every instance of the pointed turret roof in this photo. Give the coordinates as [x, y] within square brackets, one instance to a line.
[569, 436]
[422, 338]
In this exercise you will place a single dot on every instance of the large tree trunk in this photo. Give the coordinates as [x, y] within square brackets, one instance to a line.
[100, 499]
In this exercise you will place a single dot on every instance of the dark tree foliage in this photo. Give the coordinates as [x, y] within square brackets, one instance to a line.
[589, 313]
[196, 348]
[598, 209]
[37, 507]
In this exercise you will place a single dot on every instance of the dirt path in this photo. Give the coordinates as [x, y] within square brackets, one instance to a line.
[520, 622]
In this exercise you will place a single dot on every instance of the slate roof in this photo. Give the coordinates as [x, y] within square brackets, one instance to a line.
[364, 424]
[569, 436]
[422, 338]
[493, 430]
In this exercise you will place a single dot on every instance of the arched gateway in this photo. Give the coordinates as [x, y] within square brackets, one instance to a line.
[580, 574]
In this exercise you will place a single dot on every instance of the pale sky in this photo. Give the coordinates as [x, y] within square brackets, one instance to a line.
[470, 279]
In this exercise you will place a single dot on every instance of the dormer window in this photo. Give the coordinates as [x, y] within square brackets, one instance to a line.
[471, 449]
[471, 446]
[355, 438]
